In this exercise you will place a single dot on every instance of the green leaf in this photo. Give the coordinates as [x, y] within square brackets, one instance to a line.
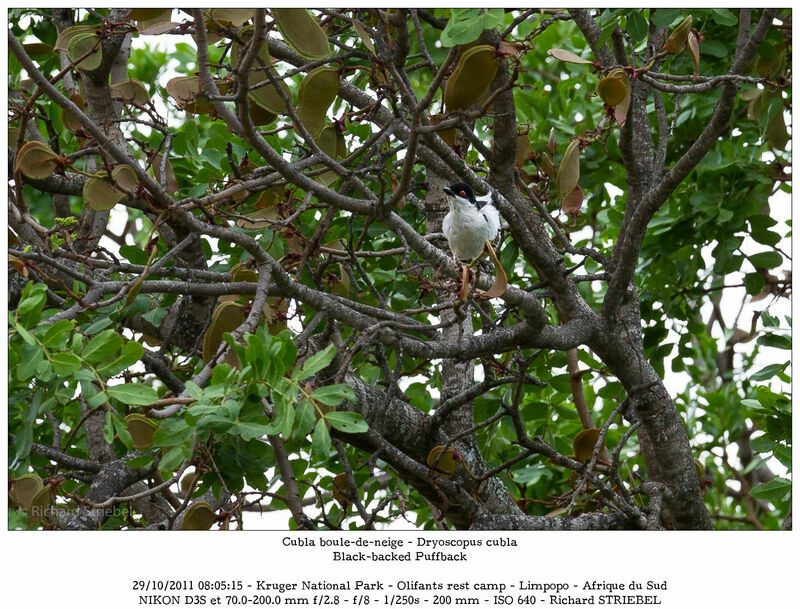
[753, 465]
[779, 341]
[57, 334]
[218, 424]
[31, 357]
[493, 17]
[288, 353]
[249, 430]
[754, 283]
[760, 230]
[24, 438]
[98, 399]
[725, 260]
[98, 325]
[347, 422]
[23, 333]
[29, 310]
[321, 440]
[283, 419]
[723, 16]
[766, 260]
[65, 363]
[172, 459]
[133, 393]
[221, 375]
[304, 419]
[463, 27]
[134, 254]
[84, 375]
[529, 476]
[767, 372]
[769, 321]
[121, 428]
[784, 454]
[561, 382]
[18, 519]
[155, 317]
[762, 444]
[419, 395]
[315, 363]
[780, 425]
[607, 30]
[333, 395]
[715, 48]
[130, 354]
[172, 432]
[102, 347]
[772, 400]
[609, 16]
[108, 429]
[193, 390]
[665, 16]
[775, 490]
[637, 26]
[140, 461]
[766, 237]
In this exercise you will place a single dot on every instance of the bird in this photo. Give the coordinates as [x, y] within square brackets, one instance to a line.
[470, 223]
[469, 227]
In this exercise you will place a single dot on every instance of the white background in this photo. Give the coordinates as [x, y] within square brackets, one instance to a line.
[702, 569]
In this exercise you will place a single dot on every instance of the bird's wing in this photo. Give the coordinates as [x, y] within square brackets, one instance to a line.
[492, 216]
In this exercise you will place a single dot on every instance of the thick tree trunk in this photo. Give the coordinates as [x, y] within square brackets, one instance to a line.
[662, 434]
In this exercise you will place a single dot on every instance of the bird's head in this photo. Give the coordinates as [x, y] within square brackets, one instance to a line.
[460, 191]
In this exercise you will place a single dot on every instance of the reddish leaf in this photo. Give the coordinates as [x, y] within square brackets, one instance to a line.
[693, 42]
[677, 39]
[569, 171]
[572, 203]
[567, 56]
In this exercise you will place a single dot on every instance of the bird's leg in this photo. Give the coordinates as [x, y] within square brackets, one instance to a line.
[463, 290]
[500, 285]
[465, 279]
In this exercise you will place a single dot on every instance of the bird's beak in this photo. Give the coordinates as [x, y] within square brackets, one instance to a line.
[447, 190]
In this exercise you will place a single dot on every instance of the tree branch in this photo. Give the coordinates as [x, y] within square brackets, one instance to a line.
[626, 251]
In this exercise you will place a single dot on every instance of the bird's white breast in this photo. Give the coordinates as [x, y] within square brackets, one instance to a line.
[467, 228]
